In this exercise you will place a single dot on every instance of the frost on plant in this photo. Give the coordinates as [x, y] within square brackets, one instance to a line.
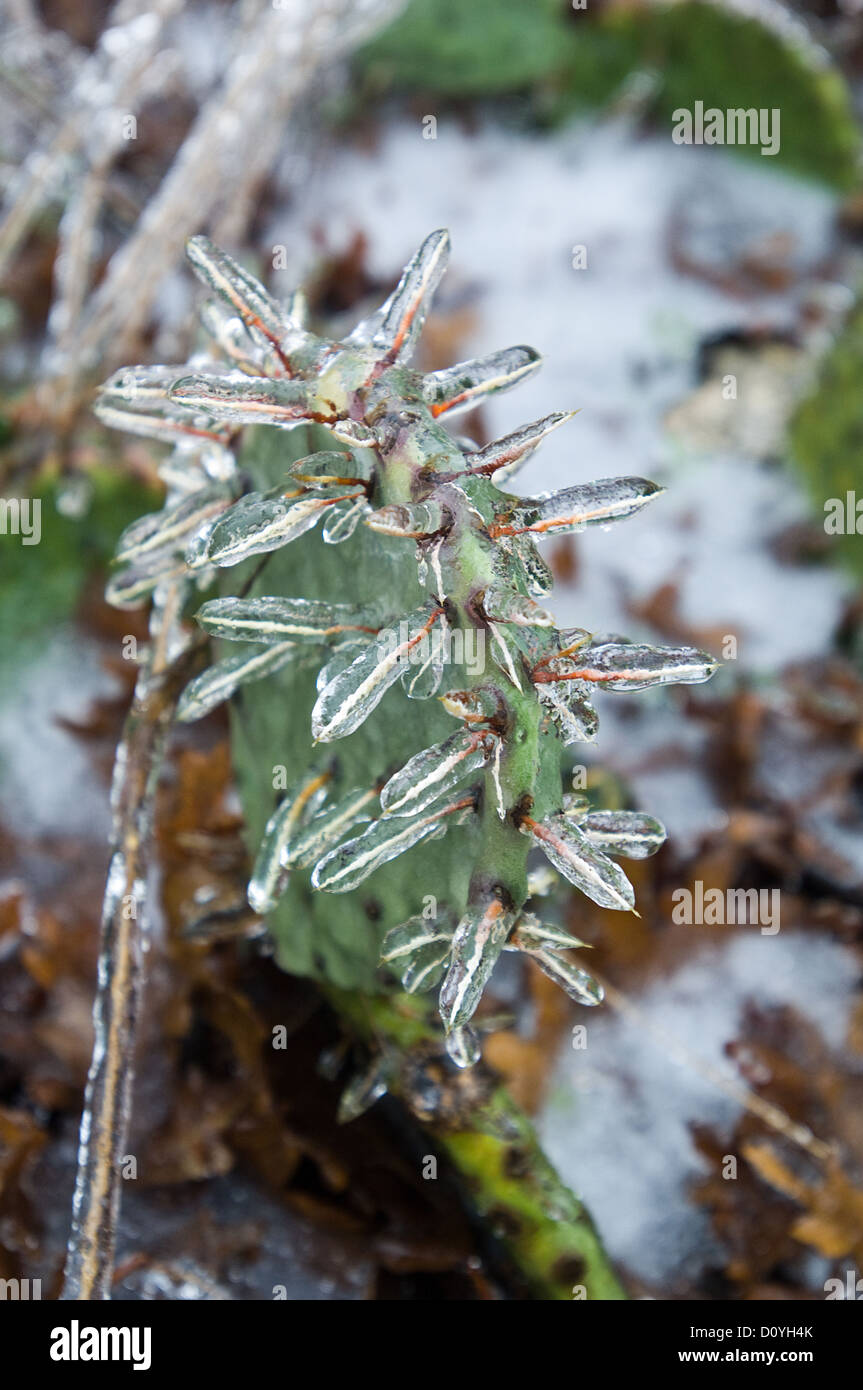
[397, 470]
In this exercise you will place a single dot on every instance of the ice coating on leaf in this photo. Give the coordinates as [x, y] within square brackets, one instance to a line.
[417, 932]
[461, 386]
[478, 705]
[143, 387]
[421, 680]
[342, 520]
[533, 935]
[527, 564]
[506, 657]
[363, 1090]
[219, 682]
[349, 864]
[232, 337]
[578, 984]
[627, 666]
[506, 605]
[574, 716]
[432, 773]
[463, 1047]
[416, 520]
[240, 290]
[273, 619]
[297, 807]
[258, 524]
[627, 833]
[325, 831]
[478, 941]
[130, 585]
[573, 855]
[503, 457]
[171, 528]
[574, 508]
[246, 400]
[325, 464]
[165, 425]
[395, 328]
[350, 697]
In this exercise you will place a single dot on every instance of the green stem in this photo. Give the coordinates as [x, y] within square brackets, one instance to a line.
[493, 1147]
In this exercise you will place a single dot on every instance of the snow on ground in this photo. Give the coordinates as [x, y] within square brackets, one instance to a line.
[619, 339]
[617, 1121]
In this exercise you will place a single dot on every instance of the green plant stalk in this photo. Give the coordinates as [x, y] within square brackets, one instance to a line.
[495, 1152]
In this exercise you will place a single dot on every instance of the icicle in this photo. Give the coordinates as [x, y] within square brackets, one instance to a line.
[273, 619]
[363, 1090]
[570, 851]
[460, 387]
[395, 328]
[416, 520]
[625, 666]
[463, 1047]
[349, 864]
[573, 509]
[508, 606]
[297, 807]
[430, 774]
[219, 682]
[350, 697]
[478, 941]
[626, 833]
[342, 520]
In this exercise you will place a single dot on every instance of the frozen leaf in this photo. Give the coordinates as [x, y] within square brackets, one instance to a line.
[574, 508]
[247, 400]
[534, 935]
[395, 328]
[350, 697]
[573, 855]
[142, 387]
[478, 705]
[508, 606]
[130, 585]
[415, 934]
[219, 682]
[350, 863]
[460, 387]
[165, 425]
[503, 457]
[415, 520]
[527, 564]
[273, 619]
[233, 338]
[506, 657]
[240, 290]
[429, 775]
[478, 941]
[297, 807]
[581, 987]
[424, 968]
[325, 466]
[626, 666]
[325, 831]
[463, 1047]
[258, 524]
[626, 833]
[171, 528]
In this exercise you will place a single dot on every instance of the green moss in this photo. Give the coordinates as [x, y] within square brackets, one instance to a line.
[695, 51]
[42, 585]
[826, 435]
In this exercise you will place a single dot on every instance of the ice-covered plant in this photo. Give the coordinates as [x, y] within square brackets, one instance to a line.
[479, 640]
